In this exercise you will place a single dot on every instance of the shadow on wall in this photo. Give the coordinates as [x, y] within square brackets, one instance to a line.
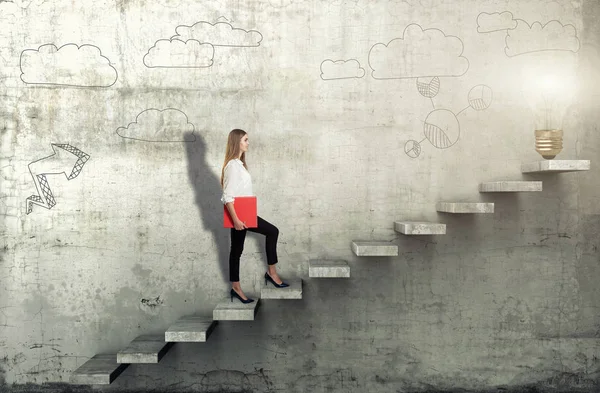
[207, 190]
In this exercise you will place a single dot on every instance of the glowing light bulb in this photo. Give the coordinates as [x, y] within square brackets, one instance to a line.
[549, 88]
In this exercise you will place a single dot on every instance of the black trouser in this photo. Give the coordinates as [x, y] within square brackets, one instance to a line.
[237, 246]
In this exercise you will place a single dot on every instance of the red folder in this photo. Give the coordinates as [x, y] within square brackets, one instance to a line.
[245, 208]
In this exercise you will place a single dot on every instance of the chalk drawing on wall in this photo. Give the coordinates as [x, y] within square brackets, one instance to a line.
[553, 36]
[64, 159]
[218, 34]
[69, 65]
[497, 21]
[441, 127]
[428, 87]
[341, 69]
[424, 55]
[175, 53]
[479, 98]
[522, 38]
[418, 53]
[159, 125]
[194, 46]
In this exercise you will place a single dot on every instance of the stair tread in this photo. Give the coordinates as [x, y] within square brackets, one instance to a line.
[236, 310]
[327, 263]
[420, 228]
[555, 166]
[374, 248]
[100, 369]
[511, 186]
[191, 328]
[294, 291]
[374, 243]
[148, 348]
[318, 268]
[465, 207]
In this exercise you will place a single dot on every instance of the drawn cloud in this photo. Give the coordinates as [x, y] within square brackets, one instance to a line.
[535, 38]
[156, 125]
[341, 69]
[175, 53]
[419, 53]
[69, 65]
[487, 23]
[218, 34]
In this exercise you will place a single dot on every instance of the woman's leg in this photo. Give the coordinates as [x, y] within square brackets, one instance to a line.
[271, 234]
[237, 246]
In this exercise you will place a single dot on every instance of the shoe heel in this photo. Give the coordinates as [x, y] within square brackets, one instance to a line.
[282, 285]
[233, 293]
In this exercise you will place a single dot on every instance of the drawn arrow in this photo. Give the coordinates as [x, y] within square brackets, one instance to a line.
[64, 160]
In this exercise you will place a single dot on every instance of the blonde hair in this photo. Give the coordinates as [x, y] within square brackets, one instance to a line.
[232, 150]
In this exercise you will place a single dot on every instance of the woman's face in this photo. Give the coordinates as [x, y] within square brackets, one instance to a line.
[244, 144]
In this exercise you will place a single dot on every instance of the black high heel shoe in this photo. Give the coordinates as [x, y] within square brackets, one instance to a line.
[282, 285]
[234, 293]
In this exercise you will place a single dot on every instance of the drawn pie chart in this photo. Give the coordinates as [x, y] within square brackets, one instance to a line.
[428, 87]
[480, 97]
[412, 148]
[441, 128]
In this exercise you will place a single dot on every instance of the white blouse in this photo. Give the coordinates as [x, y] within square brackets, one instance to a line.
[236, 181]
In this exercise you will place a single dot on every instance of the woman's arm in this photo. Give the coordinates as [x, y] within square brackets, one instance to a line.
[231, 178]
[237, 224]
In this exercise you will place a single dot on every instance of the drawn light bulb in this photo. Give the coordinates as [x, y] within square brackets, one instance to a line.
[549, 94]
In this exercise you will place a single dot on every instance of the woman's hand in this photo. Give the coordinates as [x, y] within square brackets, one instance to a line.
[239, 225]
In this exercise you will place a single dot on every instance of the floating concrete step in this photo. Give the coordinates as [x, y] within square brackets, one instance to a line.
[420, 228]
[99, 370]
[464, 207]
[149, 348]
[236, 310]
[191, 328]
[552, 166]
[294, 291]
[510, 186]
[328, 269]
[374, 249]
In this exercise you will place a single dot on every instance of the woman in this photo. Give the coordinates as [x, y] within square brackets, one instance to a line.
[236, 181]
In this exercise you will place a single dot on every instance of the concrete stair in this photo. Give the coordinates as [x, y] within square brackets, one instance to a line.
[191, 328]
[319, 268]
[464, 207]
[105, 368]
[99, 370]
[510, 186]
[149, 348]
[555, 166]
[420, 228]
[236, 310]
[374, 249]
[294, 291]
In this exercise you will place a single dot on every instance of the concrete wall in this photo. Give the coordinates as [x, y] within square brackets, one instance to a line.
[338, 152]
